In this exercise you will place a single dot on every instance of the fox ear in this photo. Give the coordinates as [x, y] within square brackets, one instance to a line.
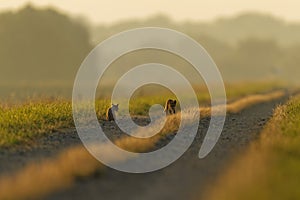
[117, 105]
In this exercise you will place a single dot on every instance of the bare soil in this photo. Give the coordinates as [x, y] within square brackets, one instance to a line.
[185, 178]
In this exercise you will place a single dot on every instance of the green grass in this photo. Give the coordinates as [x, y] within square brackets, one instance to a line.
[283, 177]
[22, 122]
[142, 105]
[270, 169]
[238, 90]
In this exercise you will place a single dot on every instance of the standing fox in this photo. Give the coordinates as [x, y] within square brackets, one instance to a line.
[170, 106]
[110, 113]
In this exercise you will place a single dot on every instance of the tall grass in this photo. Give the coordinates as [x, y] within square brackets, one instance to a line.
[39, 179]
[22, 122]
[241, 89]
[270, 167]
[62, 170]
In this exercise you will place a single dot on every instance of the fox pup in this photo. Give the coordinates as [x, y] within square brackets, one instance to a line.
[110, 113]
[170, 106]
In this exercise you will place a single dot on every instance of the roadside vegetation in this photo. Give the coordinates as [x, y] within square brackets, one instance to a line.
[64, 169]
[22, 122]
[270, 167]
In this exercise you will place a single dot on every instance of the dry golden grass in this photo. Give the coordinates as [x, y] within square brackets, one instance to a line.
[235, 178]
[39, 179]
[251, 100]
[243, 103]
[135, 144]
[269, 169]
[49, 175]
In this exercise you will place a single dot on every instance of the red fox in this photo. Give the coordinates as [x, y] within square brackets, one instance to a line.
[170, 106]
[110, 113]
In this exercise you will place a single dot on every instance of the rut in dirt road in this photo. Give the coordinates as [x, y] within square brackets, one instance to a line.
[188, 175]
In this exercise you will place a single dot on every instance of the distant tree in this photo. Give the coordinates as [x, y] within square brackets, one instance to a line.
[249, 46]
[255, 59]
[40, 45]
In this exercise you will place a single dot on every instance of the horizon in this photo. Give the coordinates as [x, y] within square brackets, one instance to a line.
[76, 9]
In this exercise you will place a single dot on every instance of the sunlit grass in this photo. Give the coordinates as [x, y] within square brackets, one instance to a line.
[270, 167]
[62, 170]
[241, 89]
[22, 122]
[37, 179]
[141, 105]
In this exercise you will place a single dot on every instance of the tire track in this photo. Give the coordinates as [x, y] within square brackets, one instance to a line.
[188, 174]
[138, 183]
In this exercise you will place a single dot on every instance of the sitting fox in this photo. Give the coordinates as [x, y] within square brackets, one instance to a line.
[110, 113]
[170, 106]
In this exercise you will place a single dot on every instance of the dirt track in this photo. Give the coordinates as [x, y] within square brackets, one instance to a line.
[188, 176]
[185, 178]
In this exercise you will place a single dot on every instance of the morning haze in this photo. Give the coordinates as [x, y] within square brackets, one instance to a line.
[42, 48]
[244, 145]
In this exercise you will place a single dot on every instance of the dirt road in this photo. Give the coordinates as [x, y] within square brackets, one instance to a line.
[188, 176]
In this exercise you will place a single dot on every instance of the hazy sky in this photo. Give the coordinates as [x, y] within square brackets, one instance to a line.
[113, 10]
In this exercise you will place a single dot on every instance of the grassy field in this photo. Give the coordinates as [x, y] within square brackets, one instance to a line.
[270, 167]
[22, 122]
[63, 170]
